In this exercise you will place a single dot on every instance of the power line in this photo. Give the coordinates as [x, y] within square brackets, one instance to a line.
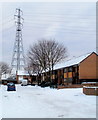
[60, 14]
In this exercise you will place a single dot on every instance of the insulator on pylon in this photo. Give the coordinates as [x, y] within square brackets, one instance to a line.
[18, 30]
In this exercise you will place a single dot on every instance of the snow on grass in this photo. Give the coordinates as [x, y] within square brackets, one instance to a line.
[0, 103]
[37, 102]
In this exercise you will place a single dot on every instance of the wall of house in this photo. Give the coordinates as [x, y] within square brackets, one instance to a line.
[97, 67]
[88, 68]
[59, 76]
[19, 77]
[71, 75]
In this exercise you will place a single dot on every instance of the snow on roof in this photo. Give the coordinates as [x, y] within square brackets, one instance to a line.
[20, 72]
[5, 76]
[89, 82]
[71, 62]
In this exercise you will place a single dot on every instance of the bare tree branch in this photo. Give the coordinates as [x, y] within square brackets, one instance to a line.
[4, 68]
[46, 54]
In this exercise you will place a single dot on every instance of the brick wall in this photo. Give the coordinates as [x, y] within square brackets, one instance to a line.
[90, 91]
[88, 68]
[70, 86]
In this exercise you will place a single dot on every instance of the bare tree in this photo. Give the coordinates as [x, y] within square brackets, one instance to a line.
[34, 67]
[54, 52]
[47, 53]
[37, 56]
[4, 68]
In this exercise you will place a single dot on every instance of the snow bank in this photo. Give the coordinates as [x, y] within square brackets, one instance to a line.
[90, 87]
[89, 82]
[0, 103]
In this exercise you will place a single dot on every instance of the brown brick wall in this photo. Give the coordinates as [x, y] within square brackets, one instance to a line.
[97, 66]
[60, 76]
[90, 91]
[70, 86]
[88, 68]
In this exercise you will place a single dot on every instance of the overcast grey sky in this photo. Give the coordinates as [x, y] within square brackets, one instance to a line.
[73, 24]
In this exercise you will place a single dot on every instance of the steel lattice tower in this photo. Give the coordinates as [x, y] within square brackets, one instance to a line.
[18, 60]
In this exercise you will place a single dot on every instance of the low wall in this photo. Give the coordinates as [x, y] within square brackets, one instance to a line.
[90, 90]
[70, 86]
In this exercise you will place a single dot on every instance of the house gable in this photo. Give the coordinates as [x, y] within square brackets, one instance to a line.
[88, 67]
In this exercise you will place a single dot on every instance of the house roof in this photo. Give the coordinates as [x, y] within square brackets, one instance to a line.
[4, 76]
[71, 62]
[21, 72]
[67, 63]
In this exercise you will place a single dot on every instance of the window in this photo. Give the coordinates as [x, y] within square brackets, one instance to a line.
[62, 76]
[65, 70]
[70, 69]
[70, 79]
[53, 72]
[65, 79]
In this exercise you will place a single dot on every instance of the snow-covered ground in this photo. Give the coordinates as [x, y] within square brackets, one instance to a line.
[36, 102]
[0, 103]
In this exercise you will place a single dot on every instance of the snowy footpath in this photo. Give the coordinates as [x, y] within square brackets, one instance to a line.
[36, 102]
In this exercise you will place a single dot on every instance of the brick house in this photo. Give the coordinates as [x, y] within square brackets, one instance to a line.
[77, 70]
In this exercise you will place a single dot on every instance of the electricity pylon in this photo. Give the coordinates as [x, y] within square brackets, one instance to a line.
[18, 60]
